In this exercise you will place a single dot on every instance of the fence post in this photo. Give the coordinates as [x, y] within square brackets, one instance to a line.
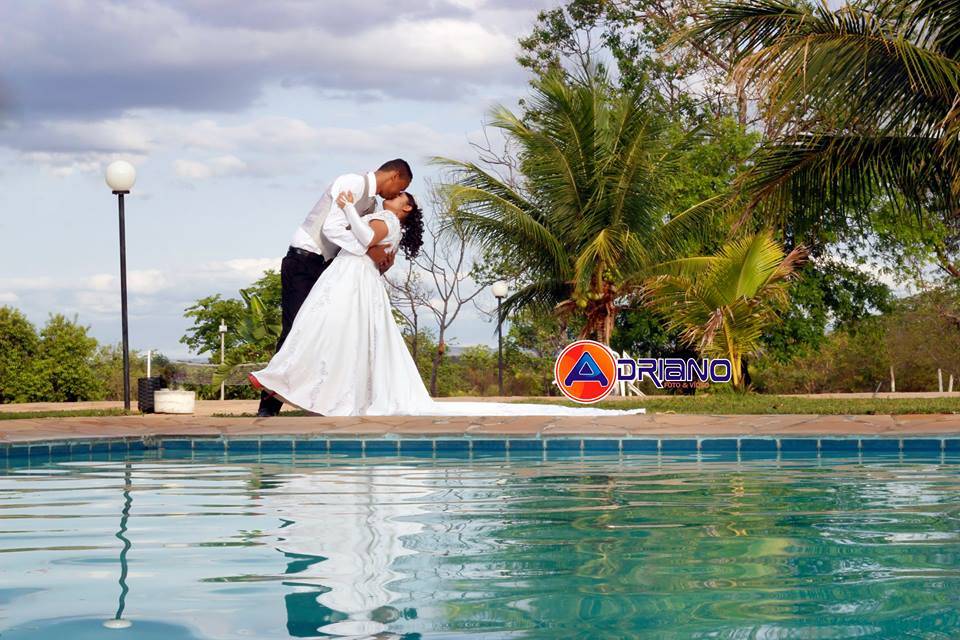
[940, 378]
[893, 381]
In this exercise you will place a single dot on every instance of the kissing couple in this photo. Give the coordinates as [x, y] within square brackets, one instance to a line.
[341, 352]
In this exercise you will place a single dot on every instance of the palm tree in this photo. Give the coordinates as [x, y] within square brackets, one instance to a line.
[722, 304]
[861, 101]
[586, 216]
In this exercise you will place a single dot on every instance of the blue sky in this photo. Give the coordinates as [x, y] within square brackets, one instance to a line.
[236, 114]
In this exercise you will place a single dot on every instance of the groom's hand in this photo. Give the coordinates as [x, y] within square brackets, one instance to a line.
[381, 257]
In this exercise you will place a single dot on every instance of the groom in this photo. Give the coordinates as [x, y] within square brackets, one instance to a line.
[311, 251]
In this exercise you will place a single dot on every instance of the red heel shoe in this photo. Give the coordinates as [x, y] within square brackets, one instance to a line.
[256, 385]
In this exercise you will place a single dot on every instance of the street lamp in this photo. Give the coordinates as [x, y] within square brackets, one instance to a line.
[120, 178]
[223, 334]
[500, 292]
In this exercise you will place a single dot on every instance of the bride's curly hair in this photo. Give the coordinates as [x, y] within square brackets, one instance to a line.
[412, 224]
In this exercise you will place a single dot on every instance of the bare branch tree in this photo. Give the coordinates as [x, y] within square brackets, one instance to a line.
[408, 297]
[446, 259]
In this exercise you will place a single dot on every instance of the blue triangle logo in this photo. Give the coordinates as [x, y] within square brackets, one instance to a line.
[586, 370]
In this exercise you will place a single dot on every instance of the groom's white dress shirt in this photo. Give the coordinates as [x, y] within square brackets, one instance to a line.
[327, 240]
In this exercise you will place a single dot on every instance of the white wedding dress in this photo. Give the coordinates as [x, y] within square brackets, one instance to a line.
[345, 355]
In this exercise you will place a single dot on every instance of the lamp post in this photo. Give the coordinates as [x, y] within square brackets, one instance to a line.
[500, 292]
[223, 334]
[120, 178]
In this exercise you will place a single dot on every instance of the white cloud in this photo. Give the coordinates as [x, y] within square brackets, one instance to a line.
[105, 57]
[41, 283]
[8, 297]
[138, 282]
[244, 270]
[218, 167]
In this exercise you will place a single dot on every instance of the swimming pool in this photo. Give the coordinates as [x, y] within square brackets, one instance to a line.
[435, 539]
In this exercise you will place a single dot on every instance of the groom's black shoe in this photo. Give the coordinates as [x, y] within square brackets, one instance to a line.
[269, 406]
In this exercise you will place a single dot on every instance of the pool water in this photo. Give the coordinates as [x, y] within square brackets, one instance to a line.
[615, 546]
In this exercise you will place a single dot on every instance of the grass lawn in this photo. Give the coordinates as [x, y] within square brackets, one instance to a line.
[753, 404]
[720, 404]
[771, 404]
[77, 413]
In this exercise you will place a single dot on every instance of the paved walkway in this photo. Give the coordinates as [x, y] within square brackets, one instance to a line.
[657, 425]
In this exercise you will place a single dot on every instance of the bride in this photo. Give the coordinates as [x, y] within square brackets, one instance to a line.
[345, 355]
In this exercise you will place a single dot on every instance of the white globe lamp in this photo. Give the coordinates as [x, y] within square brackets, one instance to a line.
[120, 176]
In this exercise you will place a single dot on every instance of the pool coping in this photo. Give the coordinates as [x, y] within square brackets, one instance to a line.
[655, 425]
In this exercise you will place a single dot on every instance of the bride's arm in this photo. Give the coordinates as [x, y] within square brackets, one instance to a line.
[343, 215]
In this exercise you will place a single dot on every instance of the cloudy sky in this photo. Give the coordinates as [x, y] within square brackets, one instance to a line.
[237, 115]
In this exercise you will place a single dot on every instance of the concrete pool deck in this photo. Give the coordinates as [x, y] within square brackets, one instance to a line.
[659, 425]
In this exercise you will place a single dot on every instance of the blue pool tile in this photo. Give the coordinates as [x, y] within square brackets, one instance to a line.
[453, 445]
[839, 445]
[640, 445]
[183, 444]
[951, 445]
[276, 446]
[243, 446]
[563, 444]
[921, 445]
[351, 447]
[136, 445]
[416, 447]
[381, 447]
[711, 445]
[19, 451]
[101, 446]
[212, 446]
[61, 450]
[489, 447]
[678, 445]
[758, 445]
[525, 445]
[880, 445]
[39, 451]
[798, 445]
[312, 445]
[604, 445]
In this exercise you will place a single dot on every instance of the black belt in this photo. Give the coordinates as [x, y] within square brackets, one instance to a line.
[303, 253]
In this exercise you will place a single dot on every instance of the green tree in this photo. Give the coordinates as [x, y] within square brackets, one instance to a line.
[19, 345]
[636, 34]
[65, 363]
[722, 304]
[827, 296]
[206, 313]
[861, 105]
[589, 215]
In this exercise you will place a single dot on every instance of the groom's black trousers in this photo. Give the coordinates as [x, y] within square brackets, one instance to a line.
[299, 271]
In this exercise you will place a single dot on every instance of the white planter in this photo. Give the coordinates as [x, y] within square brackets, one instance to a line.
[174, 401]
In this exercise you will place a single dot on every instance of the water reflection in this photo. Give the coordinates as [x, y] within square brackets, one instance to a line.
[118, 622]
[342, 532]
[276, 547]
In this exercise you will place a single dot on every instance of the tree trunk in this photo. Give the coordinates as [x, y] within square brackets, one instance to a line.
[441, 347]
[416, 339]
